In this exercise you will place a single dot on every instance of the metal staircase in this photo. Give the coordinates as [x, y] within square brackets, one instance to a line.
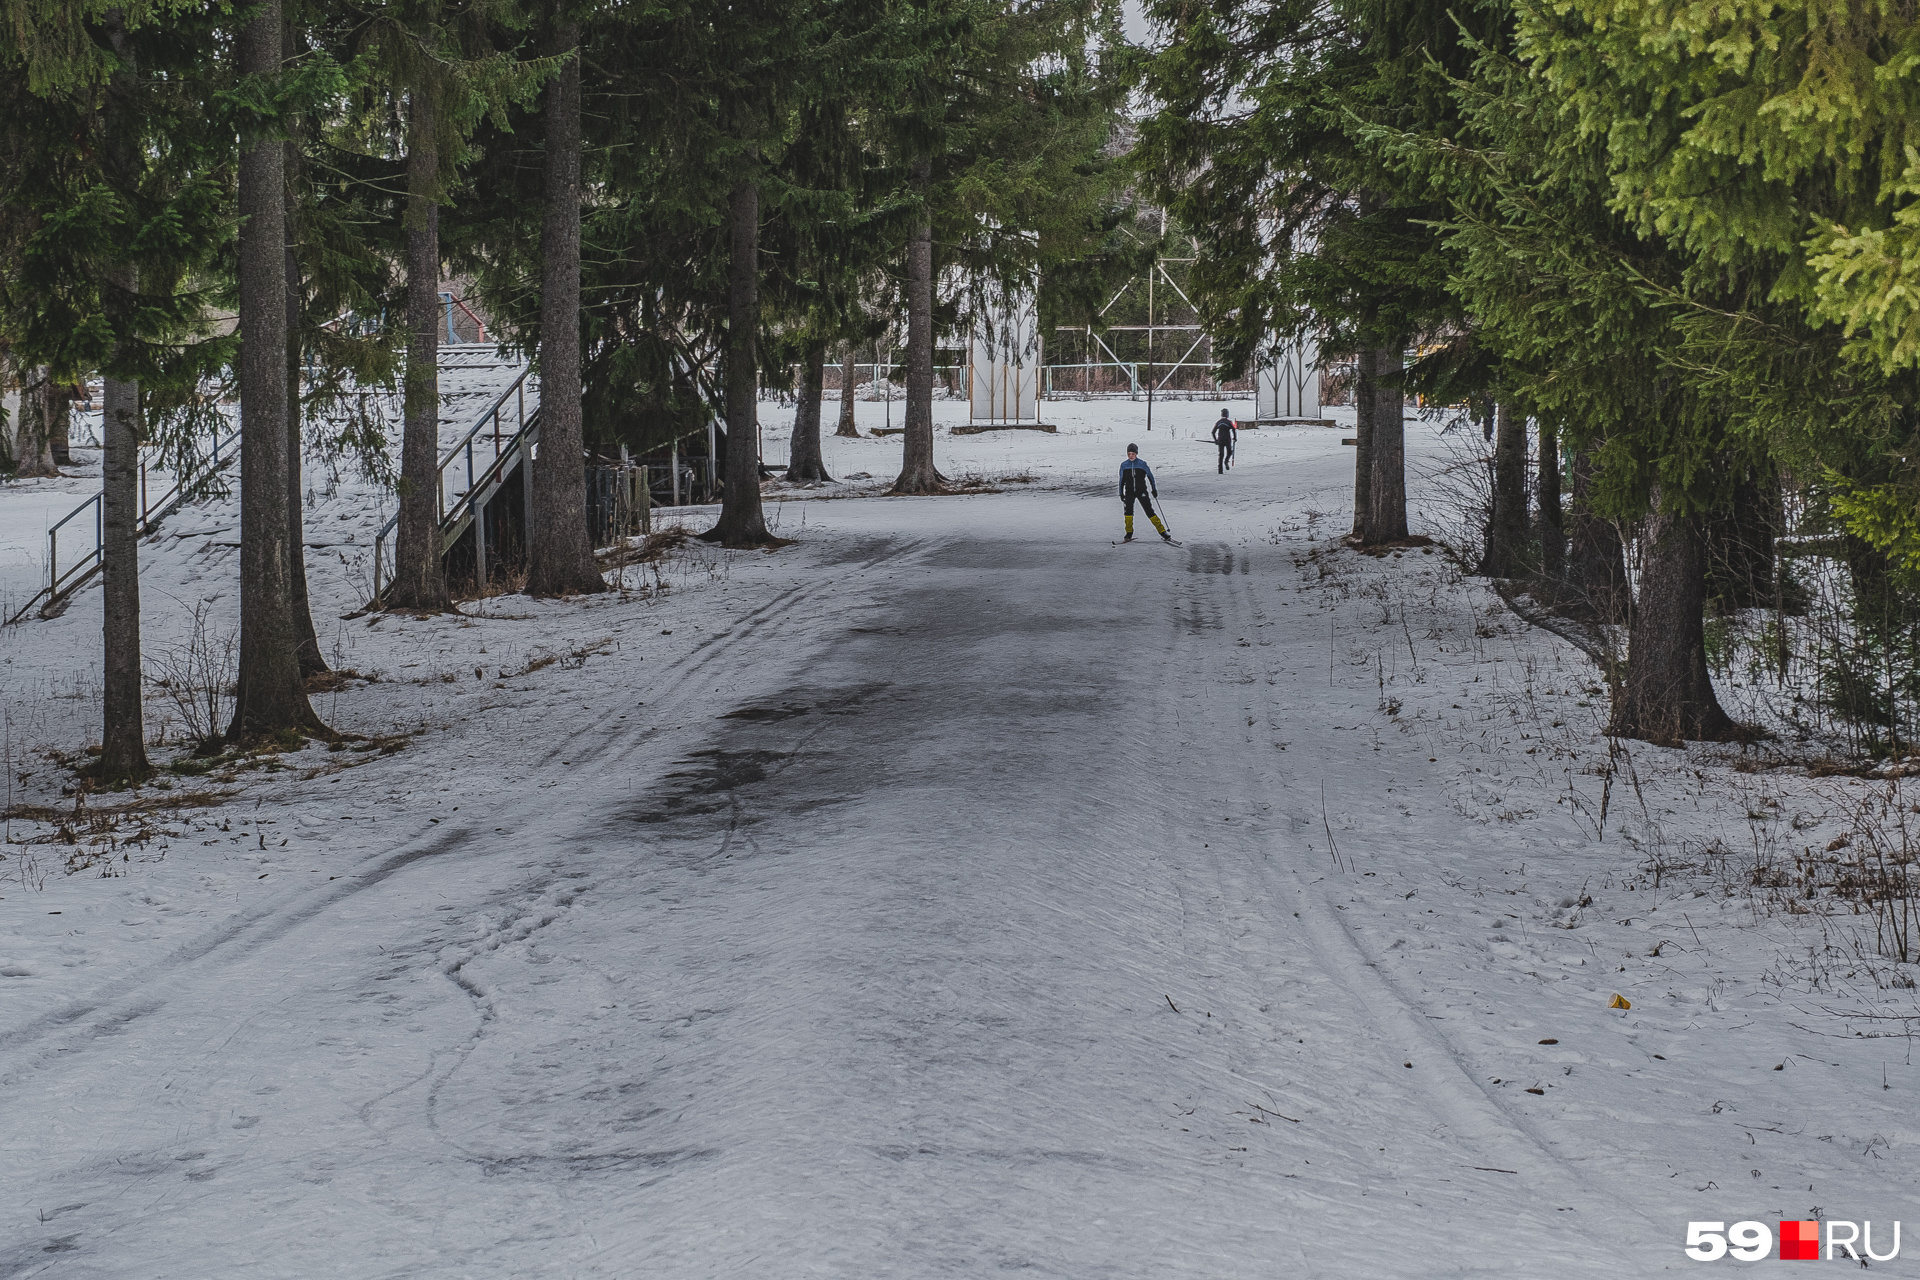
[501, 454]
[63, 582]
[472, 475]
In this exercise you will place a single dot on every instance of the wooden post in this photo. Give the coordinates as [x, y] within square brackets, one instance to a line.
[480, 549]
[526, 490]
[1150, 347]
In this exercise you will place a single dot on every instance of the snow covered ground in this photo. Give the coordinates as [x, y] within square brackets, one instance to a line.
[950, 892]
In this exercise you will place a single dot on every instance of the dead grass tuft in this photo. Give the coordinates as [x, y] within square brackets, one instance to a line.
[657, 546]
[543, 657]
[334, 681]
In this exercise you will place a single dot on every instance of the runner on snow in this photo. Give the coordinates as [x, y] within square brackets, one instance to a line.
[1136, 482]
[1225, 432]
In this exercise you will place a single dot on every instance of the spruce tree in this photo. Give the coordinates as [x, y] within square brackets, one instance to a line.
[1259, 146]
[978, 83]
[270, 697]
[123, 751]
[560, 559]
[419, 575]
[439, 73]
[111, 221]
[1507, 524]
[805, 461]
[1776, 148]
[742, 522]
[849, 375]
[1575, 303]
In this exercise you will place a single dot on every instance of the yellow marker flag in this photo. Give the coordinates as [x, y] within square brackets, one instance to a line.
[1620, 1002]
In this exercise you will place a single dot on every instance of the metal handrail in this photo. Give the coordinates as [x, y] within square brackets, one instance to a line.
[61, 583]
[518, 390]
[185, 485]
[56, 579]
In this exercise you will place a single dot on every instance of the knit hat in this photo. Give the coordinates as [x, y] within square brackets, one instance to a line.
[1133, 448]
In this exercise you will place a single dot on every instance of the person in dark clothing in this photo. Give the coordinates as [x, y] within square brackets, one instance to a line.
[1225, 432]
[1136, 483]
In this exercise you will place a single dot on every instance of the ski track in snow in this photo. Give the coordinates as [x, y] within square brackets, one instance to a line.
[951, 892]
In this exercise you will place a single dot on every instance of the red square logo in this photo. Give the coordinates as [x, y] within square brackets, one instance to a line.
[1800, 1241]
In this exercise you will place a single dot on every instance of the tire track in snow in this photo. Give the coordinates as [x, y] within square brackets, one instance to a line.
[119, 1002]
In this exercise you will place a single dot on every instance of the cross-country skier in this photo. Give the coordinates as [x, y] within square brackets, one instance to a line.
[1136, 483]
[1225, 432]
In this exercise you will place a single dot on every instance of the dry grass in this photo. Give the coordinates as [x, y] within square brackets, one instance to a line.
[164, 802]
[543, 657]
[334, 681]
[655, 547]
[104, 839]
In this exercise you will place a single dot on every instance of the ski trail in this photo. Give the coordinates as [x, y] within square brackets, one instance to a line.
[1220, 597]
[109, 1009]
[970, 912]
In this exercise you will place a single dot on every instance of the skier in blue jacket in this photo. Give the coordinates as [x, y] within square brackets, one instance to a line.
[1136, 483]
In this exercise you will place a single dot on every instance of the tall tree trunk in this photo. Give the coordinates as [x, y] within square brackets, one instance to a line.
[848, 374]
[1553, 533]
[1387, 489]
[1740, 546]
[60, 423]
[123, 739]
[269, 696]
[306, 638]
[917, 473]
[805, 460]
[1596, 560]
[312, 662]
[56, 419]
[1667, 696]
[561, 557]
[9, 408]
[1505, 556]
[419, 573]
[33, 438]
[1364, 376]
[123, 752]
[742, 521]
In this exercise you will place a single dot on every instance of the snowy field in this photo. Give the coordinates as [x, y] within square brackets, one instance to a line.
[951, 892]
